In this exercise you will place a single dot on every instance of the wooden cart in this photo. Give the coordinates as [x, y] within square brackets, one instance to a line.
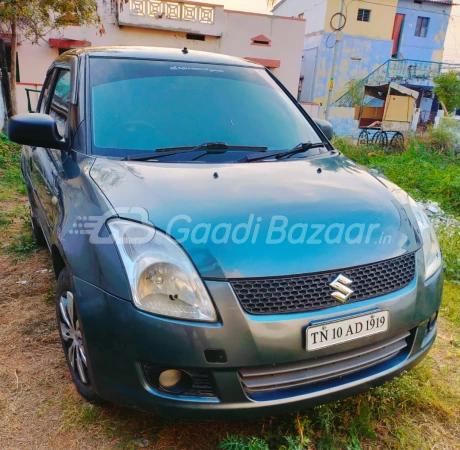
[385, 124]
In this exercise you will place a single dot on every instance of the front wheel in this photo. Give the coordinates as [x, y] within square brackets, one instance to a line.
[71, 333]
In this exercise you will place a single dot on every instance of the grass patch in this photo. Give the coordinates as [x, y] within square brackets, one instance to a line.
[449, 240]
[5, 221]
[450, 307]
[11, 181]
[50, 295]
[423, 173]
[79, 414]
[22, 246]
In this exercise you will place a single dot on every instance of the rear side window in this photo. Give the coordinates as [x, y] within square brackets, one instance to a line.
[60, 100]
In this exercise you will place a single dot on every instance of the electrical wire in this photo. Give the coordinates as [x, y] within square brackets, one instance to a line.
[337, 29]
[314, 6]
[341, 27]
[403, 7]
[327, 40]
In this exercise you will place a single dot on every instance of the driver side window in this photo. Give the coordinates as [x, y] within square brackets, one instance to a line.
[46, 92]
[60, 101]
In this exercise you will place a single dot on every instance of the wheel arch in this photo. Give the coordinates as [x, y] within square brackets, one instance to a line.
[58, 260]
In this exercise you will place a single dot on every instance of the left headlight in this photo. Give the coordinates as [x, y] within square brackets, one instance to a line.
[163, 280]
[431, 249]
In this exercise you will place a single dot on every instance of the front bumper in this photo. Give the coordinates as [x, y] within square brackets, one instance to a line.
[119, 337]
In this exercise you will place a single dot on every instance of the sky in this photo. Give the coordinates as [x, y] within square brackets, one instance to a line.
[258, 6]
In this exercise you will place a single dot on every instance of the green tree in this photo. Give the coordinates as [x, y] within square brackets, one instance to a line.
[447, 88]
[34, 19]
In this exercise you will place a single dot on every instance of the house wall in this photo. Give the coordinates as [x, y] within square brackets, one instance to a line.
[451, 53]
[238, 28]
[431, 47]
[358, 57]
[381, 22]
[310, 58]
[286, 37]
[364, 47]
[343, 121]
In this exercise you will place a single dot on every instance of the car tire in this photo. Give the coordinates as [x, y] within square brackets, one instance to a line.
[71, 334]
[37, 230]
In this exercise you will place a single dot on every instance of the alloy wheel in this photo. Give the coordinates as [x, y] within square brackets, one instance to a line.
[71, 334]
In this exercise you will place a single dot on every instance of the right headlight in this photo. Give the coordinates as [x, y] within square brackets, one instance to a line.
[163, 280]
[431, 249]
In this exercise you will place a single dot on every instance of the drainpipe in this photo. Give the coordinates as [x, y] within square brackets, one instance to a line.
[338, 39]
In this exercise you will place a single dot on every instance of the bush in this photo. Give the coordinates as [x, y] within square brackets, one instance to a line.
[449, 239]
[443, 138]
[447, 88]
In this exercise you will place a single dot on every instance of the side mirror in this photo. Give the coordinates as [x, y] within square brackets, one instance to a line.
[326, 128]
[36, 130]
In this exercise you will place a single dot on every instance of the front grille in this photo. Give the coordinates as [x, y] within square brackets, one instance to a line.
[313, 372]
[312, 292]
[202, 385]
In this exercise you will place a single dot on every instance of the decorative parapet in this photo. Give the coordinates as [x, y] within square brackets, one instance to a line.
[189, 17]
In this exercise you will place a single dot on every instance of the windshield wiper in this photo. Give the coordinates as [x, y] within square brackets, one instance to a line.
[302, 147]
[207, 147]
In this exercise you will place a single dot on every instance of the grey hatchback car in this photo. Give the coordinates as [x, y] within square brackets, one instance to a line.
[215, 255]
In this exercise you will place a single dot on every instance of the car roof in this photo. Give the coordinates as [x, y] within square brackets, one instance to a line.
[160, 54]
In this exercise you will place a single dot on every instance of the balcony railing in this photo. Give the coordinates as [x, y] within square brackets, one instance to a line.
[173, 15]
[402, 71]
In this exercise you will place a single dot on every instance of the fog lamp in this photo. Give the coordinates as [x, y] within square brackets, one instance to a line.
[175, 381]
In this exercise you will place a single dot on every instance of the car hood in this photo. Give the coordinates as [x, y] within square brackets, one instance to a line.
[263, 219]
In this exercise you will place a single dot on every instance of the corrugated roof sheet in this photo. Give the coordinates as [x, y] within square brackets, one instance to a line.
[443, 2]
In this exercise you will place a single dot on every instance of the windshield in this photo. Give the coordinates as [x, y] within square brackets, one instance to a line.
[139, 106]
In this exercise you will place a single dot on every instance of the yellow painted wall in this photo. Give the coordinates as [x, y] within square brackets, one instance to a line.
[380, 25]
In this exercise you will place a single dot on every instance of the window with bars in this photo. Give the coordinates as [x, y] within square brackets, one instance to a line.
[8, 61]
[421, 29]
[364, 15]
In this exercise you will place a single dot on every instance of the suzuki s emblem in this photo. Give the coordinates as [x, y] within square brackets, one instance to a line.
[343, 292]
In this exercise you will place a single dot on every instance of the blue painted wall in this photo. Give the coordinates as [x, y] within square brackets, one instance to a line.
[429, 48]
[343, 122]
[358, 56]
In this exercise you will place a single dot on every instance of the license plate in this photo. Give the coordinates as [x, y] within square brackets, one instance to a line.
[344, 330]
